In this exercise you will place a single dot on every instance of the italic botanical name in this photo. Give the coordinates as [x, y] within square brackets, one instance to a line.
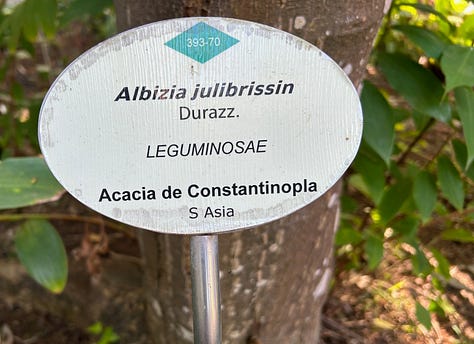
[218, 90]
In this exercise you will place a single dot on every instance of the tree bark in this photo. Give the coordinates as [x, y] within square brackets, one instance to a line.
[274, 278]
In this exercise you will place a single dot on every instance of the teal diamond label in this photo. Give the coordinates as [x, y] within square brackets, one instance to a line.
[202, 42]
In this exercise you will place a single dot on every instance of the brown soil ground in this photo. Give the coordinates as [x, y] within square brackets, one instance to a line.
[379, 307]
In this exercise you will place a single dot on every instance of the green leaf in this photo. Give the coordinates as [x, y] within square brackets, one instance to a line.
[96, 328]
[12, 26]
[470, 172]
[457, 64]
[26, 181]
[108, 336]
[441, 306]
[46, 16]
[425, 194]
[17, 92]
[348, 204]
[425, 8]
[407, 227]
[420, 87]
[372, 169]
[29, 18]
[374, 250]
[379, 131]
[30, 21]
[460, 151]
[423, 316]
[80, 8]
[459, 235]
[432, 44]
[450, 182]
[465, 105]
[393, 199]
[357, 182]
[421, 265]
[40, 16]
[41, 250]
[346, 236]
[466, 30]
[421, 120]
[443, 263]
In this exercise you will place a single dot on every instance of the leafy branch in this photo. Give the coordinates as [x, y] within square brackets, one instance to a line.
[423, 64]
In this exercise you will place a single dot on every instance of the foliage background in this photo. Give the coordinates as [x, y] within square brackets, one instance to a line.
[409, 193]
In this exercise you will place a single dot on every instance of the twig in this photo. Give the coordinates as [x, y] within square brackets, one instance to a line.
[65, 217]
[31, 340]
[404, 156]
[438, 152]
[341, 329]
[43, 43]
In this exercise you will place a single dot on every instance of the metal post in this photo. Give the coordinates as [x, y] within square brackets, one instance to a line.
[206, 289]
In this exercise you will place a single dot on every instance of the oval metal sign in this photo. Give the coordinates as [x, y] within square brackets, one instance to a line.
[200, 125]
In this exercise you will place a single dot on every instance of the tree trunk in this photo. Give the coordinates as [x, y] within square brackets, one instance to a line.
[274, 278]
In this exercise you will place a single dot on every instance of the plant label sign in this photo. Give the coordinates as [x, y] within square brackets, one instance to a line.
[200, 125]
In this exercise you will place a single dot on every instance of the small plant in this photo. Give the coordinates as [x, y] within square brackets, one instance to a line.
[105, 334]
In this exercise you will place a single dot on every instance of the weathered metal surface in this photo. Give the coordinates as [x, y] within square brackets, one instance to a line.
[206, 289]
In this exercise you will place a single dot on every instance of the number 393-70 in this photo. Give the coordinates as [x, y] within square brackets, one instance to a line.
[202, 42]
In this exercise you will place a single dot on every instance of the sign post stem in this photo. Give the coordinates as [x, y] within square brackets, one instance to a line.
[206, 289]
